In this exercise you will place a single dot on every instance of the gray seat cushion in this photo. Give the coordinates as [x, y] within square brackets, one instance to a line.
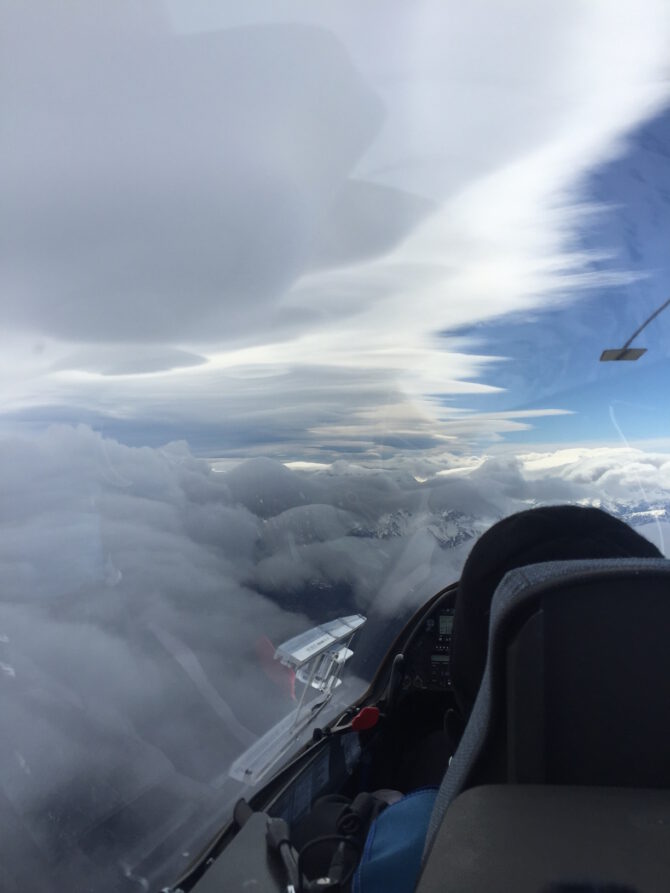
[532, 839]
[630, 579]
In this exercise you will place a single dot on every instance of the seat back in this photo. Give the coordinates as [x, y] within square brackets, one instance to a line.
[576, 688]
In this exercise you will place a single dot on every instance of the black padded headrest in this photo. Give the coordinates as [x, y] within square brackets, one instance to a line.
[552, 533]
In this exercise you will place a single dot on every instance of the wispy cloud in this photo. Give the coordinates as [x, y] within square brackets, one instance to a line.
[283, 197]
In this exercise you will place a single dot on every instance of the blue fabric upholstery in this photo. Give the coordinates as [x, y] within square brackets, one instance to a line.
[392, 855]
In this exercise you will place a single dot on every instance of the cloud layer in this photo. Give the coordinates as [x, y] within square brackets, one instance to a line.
[317, 199]
[136, 584]
[273, 228]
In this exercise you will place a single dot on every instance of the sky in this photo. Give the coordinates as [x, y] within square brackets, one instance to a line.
[325, 231]
[297, 300]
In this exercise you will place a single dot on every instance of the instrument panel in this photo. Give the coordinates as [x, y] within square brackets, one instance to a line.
[428, 655]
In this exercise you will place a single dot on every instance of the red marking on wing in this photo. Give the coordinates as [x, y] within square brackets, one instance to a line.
[283, 677]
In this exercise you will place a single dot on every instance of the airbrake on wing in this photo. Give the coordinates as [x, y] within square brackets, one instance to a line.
[317, 657]
[305, 646]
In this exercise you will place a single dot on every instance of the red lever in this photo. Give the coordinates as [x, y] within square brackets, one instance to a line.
[366, 718]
